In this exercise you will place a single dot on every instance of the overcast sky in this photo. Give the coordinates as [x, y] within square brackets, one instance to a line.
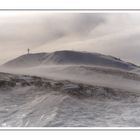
[116, 34]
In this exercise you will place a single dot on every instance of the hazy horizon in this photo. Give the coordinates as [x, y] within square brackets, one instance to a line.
[116, 34]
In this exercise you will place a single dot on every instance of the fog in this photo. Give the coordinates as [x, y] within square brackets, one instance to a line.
[42, 31]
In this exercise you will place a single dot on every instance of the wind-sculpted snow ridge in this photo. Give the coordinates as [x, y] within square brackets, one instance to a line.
[35, 101]
[67, 58]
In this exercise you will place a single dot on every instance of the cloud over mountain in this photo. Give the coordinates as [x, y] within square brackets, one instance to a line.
[108, 33]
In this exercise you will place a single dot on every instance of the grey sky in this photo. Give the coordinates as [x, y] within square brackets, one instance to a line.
[116, 34]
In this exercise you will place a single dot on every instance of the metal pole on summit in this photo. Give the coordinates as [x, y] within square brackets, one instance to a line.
[28, 50]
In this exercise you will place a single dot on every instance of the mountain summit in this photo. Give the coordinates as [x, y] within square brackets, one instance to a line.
[69, 58]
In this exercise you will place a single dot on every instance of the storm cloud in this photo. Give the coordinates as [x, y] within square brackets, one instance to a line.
[45, 28]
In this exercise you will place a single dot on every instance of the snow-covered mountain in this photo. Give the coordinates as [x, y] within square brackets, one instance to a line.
[67, 58]
[67, 88]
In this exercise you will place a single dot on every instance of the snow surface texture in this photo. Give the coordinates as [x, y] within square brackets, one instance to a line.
[70, 89]
[34, 101]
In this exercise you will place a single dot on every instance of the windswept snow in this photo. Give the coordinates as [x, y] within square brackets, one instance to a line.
[101, 76]
[70, 89]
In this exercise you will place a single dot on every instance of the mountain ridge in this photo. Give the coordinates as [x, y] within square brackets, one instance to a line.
[69, 57]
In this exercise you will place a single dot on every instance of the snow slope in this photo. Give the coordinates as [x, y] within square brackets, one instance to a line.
[101, 76]
[27, 60]
[31, 101]
[67, 58]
